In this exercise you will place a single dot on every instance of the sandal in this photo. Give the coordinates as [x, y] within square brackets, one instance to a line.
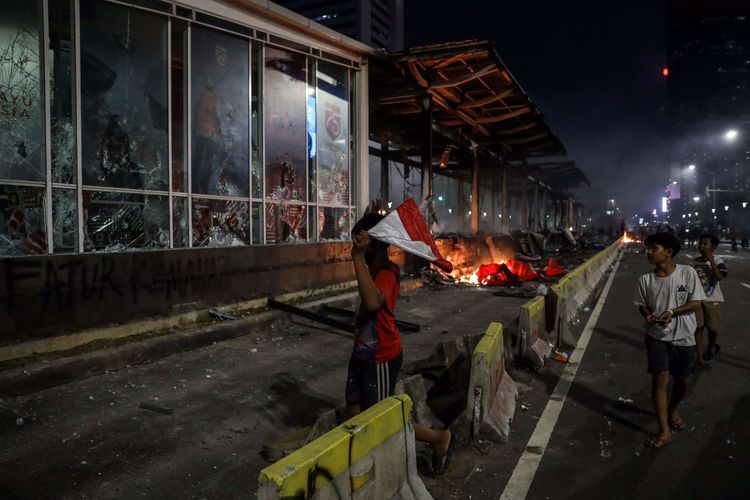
[440, 463]
[677, 423]
[657, 442]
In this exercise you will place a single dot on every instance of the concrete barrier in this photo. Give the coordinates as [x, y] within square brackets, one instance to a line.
[491, 402]
[568, 296]
[370, 456]
[534, 345]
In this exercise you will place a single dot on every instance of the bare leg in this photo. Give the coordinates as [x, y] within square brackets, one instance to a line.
[679, 388]
[440, 440]
[699, 345]
[711, 341]
[659, 382]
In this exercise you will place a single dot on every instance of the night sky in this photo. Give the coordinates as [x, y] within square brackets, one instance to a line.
[594, 71]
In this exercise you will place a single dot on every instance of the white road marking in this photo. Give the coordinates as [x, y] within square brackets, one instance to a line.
[745, 285]
[520, 482]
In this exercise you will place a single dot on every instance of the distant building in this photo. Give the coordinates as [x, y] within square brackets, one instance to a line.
[709, 96]
[378, 23]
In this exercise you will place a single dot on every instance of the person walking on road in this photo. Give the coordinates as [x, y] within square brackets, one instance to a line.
[711, 270]
[377, 356]
[667, 298]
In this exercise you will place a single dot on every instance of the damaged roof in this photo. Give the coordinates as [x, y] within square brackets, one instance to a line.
[472, 90]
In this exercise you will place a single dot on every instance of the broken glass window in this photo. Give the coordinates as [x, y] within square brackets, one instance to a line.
[220, 223]
[333, 223]
[63, 136]
[256, 122]
[333, 134]
[285, 128]
[179, 105]
[122, 221]
[220, 131]
[124, 97]
[22, 229]
[21, 100]
[64, 220]
[179, 222]
[257, 223]
[286, 223]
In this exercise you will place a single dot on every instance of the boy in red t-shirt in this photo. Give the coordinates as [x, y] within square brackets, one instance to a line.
[377, 356]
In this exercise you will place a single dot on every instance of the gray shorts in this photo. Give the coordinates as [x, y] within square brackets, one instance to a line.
[663, 356]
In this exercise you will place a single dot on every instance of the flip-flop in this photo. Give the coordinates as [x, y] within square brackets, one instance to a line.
[444, 458]
[677, 423]
[657, 442]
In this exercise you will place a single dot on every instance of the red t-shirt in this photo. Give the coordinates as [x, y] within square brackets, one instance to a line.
[377, 338]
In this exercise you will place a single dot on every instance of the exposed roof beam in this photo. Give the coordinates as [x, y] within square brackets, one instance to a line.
[453, 82]
[464, 116]
[488, 100]
[506, 116]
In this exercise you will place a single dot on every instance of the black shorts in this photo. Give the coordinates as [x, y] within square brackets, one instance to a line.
[678, 360]
[368, 383]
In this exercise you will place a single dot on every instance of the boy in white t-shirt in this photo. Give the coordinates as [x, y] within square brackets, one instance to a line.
[711, 270]
[667, 298]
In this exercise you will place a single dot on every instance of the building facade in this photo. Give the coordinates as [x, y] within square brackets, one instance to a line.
[378, 23]
[709, 110]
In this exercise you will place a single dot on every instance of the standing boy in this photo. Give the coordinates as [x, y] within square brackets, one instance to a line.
[711, 270]
[667, 299]
[376, 360]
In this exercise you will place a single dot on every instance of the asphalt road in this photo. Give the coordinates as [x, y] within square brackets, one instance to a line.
[597, 447]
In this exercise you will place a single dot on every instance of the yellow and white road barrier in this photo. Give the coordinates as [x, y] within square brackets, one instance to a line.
[371, 456]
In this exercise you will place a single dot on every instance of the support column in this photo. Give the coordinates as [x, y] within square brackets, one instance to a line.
[524, 201]
[427, 148]
[385, 191]
[535, 209]
[474, 192]
[505, 201]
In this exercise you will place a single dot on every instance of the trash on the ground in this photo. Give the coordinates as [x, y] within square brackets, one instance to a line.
[156, 408]
[253, 350]
[623, 400]
[525, 406]
[19, 421]
[542, 289]
[560, 356]
[215, 313]
[586, 309]
[637, 453]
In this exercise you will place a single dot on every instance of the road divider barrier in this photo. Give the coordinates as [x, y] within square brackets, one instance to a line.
[491, 401]
[547, 321]
[370, 456]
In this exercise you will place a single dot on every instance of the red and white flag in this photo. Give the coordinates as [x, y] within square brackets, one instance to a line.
[405, 228]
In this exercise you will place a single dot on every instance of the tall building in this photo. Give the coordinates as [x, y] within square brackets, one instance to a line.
[709, 106]
[379, 23]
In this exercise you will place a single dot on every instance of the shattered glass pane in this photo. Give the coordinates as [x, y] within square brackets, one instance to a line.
[21, 102]
[257, 223]
[220, 223]
[124, 97]
[285, 223]
[333, 223]
[219, 79]
[256, 123]
[312, 217]
[285, 126]
[22, 230]
[61, 97]
[64, 221]
[179, 105]
[333, 134]
[179, 222]
[116, 222]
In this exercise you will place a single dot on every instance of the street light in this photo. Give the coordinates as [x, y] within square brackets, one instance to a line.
[691, 167]
[696, 198]
[730, 135]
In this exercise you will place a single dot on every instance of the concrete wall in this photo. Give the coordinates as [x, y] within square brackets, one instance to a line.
[52, 295]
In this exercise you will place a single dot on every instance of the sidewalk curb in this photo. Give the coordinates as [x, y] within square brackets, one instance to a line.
[45, 374]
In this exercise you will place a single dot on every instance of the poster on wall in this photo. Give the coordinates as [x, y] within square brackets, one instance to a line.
[124, 115]
[21, 104]
[285, 126]
[220, 77]
[285, 223]
[333, 135]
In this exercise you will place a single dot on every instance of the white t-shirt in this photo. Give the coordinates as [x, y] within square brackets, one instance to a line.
[670, 292]
[711, 286]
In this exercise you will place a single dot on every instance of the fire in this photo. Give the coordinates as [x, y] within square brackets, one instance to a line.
[468, 278]
[628, 238]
